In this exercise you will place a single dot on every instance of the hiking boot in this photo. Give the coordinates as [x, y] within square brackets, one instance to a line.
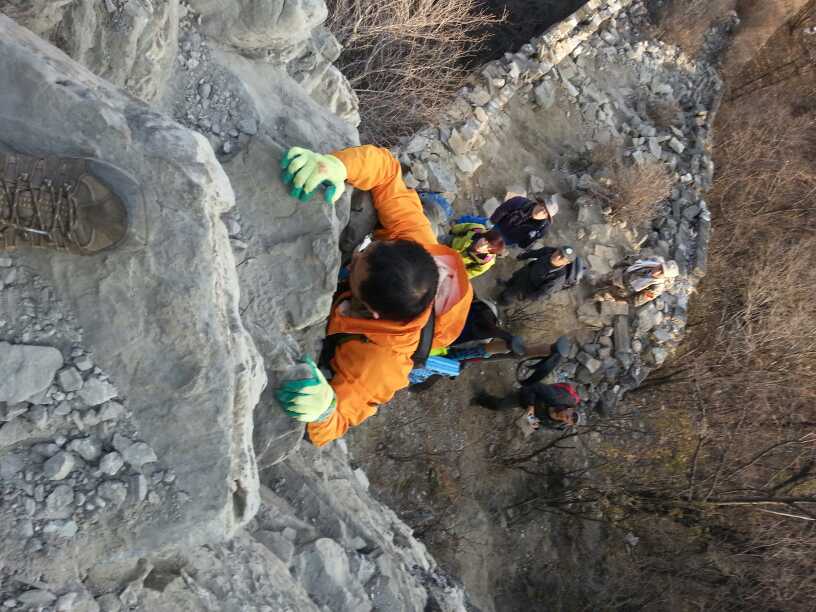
[55, 202]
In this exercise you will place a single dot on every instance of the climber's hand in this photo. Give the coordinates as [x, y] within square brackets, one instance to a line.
[307, 170]
[307, 399]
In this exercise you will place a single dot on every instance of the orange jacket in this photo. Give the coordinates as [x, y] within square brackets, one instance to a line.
[367, 372]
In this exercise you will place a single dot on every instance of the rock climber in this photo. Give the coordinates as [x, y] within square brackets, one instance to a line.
[404, 288]
[641, 282]
[522, 221]
[551, 270]
[548, 406]
[477, 245]
[56, 202]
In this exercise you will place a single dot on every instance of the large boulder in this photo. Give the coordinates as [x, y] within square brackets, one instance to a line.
[161, 312]
[130, 43]
[133, 47]
[255, 24]
[289, 256]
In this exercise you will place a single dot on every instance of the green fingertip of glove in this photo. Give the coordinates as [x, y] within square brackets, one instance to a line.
[308, 400]
[329, 194]
[306, 171]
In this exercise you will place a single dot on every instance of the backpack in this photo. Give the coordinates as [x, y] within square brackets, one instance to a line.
[570, 390]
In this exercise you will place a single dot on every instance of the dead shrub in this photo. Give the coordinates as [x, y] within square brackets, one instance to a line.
[634, 193]
[663, 113]
[405, 59]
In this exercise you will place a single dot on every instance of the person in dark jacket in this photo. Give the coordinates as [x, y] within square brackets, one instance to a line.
[548, 406]
[522, 221]
[551, 270]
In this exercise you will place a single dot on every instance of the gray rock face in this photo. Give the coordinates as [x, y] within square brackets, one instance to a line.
[27, 371]
[249, 24]
[169, 333]
[137, 54]
[284, 239]
[323, 569]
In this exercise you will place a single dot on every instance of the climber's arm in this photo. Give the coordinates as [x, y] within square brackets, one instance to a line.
[399, 210]
[365, 376]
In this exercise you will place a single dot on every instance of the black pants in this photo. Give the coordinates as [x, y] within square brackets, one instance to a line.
[482, 324]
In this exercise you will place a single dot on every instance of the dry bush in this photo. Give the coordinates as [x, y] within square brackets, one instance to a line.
[634, 193]
[405, 59]
[663, 113]
[685, 23]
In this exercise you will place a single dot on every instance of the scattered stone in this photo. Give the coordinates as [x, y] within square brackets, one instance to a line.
[677, 146]
[440, 176]
[589, 362]
[59, 505]
[14, 432]
[83, 363]
[63, 529]
[137, 488]
[36, 597]
[612, 309]
[111, 411]
[248, 126]
[89, 447]
[59, 466]
[66, 602]
[111, 463]
[96, 391]
[109, 603]
[621, 336]
[138, 454]
[27, 371]
[62, 409]
[545, 94]
[113, 491]
[46, 449]
[38, 416]
[69, 379]
[121, 443]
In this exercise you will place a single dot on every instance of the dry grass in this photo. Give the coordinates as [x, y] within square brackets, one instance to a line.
[664, 113]
[685, 22]
[405, 58]
[634, 193]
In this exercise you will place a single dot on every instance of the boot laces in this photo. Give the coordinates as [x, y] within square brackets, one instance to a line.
[43, 214]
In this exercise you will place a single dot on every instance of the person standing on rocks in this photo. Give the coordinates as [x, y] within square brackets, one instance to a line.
[641, 282]
[477, 245]
[406, 294]
[522, 221]
[550, 271]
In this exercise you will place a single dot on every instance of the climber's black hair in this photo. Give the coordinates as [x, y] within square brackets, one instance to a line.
[402, 279]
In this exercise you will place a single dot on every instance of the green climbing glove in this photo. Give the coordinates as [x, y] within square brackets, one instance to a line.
[307, 399]
[307, 170]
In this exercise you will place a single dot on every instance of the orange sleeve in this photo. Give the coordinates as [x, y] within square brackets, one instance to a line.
[399, 210]
[365, 376]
